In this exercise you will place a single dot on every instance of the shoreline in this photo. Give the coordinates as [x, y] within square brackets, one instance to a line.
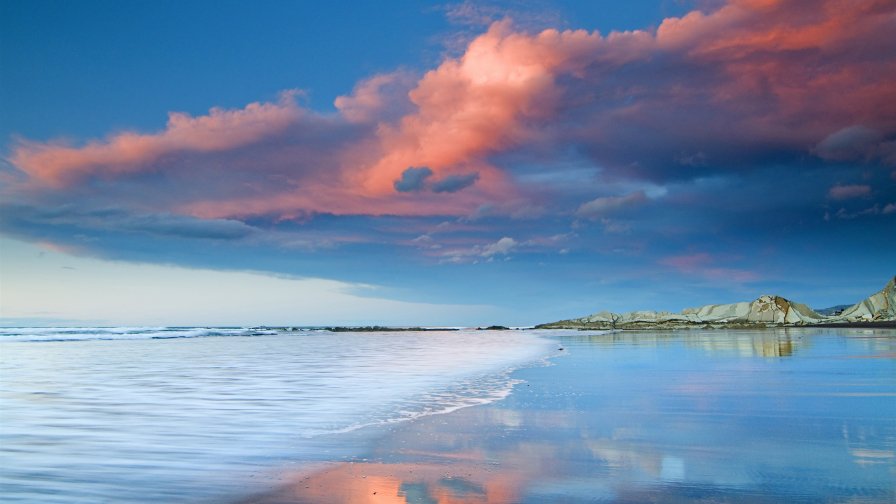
[575, 430]
[414, 457]
[883, 324]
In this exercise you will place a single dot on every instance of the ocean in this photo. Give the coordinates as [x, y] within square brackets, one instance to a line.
[159, 414]
[257, 415]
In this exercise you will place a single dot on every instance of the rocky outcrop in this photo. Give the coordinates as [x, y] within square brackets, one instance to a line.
[765, 311]
[879, 306]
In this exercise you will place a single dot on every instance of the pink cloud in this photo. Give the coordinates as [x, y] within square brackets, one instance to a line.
[126, 152]
[688, 262]
[701, 264]
[374, 98]
[843, 192]
[748, 82]
[747, 78]
[776, 72]
[493, 98]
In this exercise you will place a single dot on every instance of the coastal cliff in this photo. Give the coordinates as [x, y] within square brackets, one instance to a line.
[765, 311]
[879, 306]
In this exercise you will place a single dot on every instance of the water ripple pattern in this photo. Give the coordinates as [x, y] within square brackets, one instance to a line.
[175, 414]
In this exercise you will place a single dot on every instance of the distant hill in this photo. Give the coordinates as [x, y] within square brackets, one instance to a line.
[833, 310]
[765, 311]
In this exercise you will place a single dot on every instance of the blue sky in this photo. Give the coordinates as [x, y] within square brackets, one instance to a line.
[459, 163]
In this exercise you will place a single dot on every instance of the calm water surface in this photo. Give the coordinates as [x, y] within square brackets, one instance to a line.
[187, 414]
[689, 416]
[717, 416]
[795, 416]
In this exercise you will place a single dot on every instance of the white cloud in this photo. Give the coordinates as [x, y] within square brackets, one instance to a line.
[43, 283]
[502, 246]
[599, 207]
[488, 251]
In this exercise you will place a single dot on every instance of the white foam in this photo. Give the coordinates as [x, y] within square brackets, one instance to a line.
[220, 405]
[59, 334]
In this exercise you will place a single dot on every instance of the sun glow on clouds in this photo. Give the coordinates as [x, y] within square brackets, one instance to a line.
[646, 115]
[508, 90]
[128, 152]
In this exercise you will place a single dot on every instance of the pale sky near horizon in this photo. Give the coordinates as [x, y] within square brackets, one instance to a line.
[65, 287]
[459, 163]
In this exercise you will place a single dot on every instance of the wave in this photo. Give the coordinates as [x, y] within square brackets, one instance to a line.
[63, 334]
[464, 394]
[223, 407]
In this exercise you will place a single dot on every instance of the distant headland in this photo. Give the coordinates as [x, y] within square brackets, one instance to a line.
[877, 310]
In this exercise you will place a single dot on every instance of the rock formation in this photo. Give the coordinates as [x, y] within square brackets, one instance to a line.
[878, 306]
[766, 311]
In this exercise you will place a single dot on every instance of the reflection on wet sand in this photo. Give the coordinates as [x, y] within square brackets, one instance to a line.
[506, 471]
[398, 483]
[607, 424]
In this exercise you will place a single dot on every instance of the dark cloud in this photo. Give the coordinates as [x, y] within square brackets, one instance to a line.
[717, 92]
[189, 227]
[454, 183]
[413, 179]
[847, 144]
[28, 221]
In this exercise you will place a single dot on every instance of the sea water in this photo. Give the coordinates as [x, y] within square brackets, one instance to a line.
[209, 415]
[194, 414]
[793, 416]
[796, 416]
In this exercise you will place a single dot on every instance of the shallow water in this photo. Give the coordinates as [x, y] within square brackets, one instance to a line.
[802, 416]
[723, 416]
[187, 414]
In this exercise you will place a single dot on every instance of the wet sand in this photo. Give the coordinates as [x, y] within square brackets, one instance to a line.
[722, 417]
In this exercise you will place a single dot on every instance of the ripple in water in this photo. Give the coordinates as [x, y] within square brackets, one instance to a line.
[179, 414]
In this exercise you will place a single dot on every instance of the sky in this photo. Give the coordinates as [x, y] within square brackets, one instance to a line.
[465, 163]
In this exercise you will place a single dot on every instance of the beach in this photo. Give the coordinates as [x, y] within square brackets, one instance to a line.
[462, 252]
[199, 414]
[247, 416]
[682, 417]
